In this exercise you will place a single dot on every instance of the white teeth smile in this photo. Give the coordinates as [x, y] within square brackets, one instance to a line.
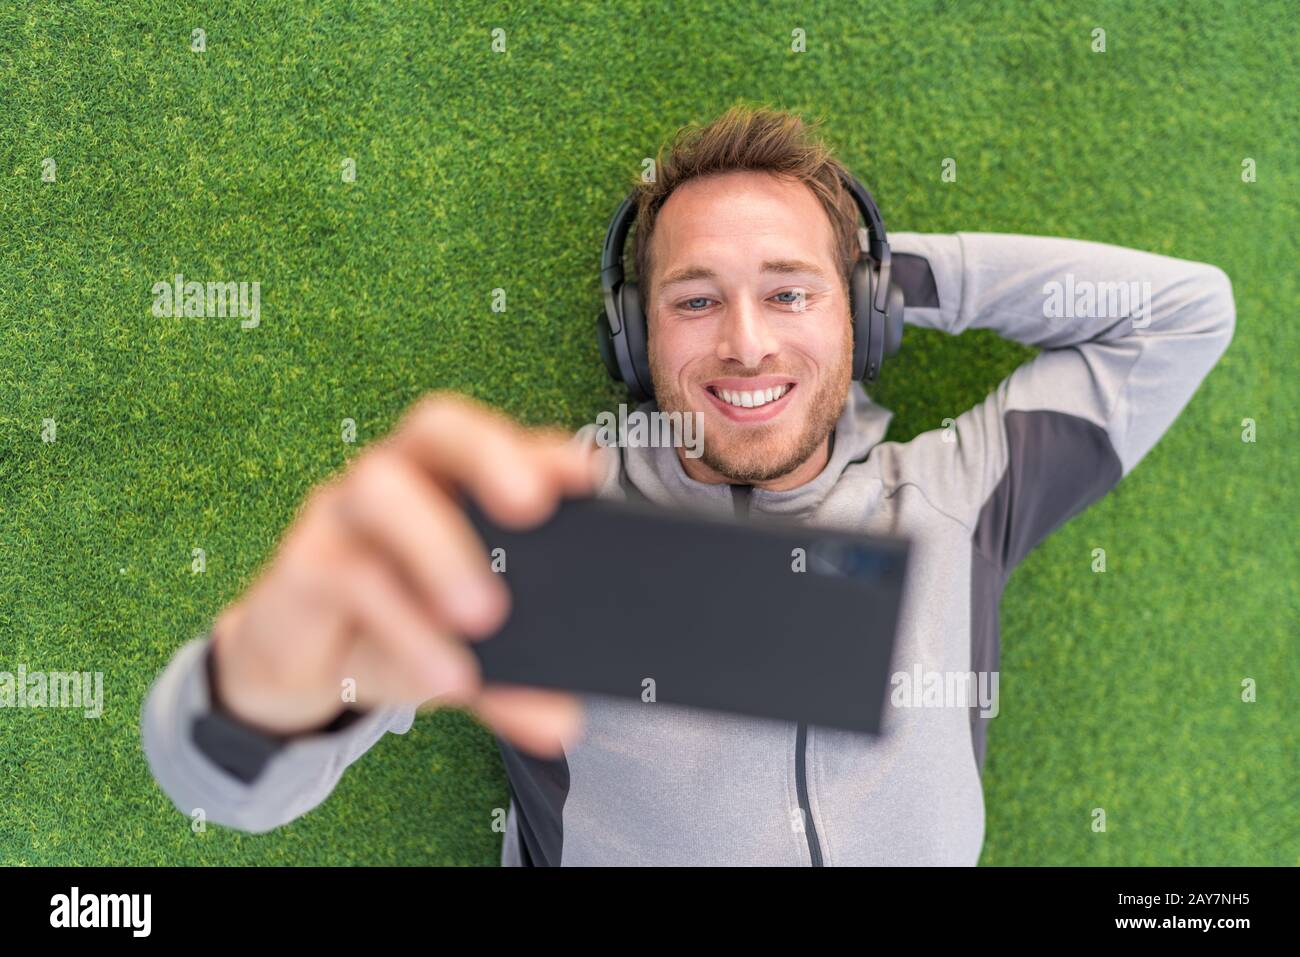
[751, 400]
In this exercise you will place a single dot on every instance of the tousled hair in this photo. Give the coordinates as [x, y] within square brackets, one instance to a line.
[758, 139]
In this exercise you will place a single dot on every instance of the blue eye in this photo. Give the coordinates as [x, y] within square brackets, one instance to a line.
[687, 304]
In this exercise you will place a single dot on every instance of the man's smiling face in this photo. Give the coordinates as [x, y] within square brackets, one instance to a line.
[744, 298]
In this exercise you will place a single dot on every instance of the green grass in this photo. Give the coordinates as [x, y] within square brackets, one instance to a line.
[478, 170]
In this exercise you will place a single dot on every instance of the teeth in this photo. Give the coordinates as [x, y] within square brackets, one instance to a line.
[752, 400]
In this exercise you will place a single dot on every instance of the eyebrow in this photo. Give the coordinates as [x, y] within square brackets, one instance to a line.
[784, 266]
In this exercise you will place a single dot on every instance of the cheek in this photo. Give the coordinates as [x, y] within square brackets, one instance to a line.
[832, 342]
[822, 345]
[674, 348]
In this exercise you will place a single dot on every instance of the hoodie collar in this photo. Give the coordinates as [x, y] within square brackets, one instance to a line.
[657, 472]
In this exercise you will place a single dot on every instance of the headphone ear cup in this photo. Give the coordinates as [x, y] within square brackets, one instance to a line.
[894, 320]
[638, 345]
[860, 297]
[605, 343]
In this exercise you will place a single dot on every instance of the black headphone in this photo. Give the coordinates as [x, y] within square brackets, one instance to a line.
[875, 301]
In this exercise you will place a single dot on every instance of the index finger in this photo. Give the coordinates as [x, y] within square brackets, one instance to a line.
[516, 475]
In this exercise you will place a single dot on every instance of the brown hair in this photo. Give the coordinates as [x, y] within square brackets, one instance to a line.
[757, 139]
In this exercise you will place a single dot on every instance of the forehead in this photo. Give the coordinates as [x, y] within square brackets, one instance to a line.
[749, 214]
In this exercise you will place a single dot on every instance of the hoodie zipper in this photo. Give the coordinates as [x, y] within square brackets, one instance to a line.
[740, 497]
[801, 774]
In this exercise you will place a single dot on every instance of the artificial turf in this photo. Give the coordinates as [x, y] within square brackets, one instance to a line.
[479, 170]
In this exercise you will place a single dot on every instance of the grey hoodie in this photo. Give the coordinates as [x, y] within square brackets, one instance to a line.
[664, 784]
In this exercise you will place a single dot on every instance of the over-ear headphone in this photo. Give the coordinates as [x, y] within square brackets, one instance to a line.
[876, 302]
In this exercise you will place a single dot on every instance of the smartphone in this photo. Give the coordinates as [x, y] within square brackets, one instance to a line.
[765, 618]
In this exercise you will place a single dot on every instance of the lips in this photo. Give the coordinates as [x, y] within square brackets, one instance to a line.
[757, 413]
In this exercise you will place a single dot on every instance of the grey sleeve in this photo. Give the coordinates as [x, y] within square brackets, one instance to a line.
[1125, 339]
[286, 782]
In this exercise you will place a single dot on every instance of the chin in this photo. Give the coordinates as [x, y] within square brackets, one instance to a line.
[749, 458]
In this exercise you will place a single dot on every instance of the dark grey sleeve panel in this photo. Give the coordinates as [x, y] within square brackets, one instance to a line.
[1057, 465]
[235, 746]
[539, 788]
[240, 751]
[914, 276]
[293, 780]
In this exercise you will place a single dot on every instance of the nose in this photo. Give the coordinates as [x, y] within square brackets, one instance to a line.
[745, 336]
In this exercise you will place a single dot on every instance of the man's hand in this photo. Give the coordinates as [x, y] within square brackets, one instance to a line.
[381, 578]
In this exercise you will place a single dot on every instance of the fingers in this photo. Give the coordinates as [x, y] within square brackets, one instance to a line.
[381, 682]
[516, 475]
[391, 506]
[539, 721]
[419, 660]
